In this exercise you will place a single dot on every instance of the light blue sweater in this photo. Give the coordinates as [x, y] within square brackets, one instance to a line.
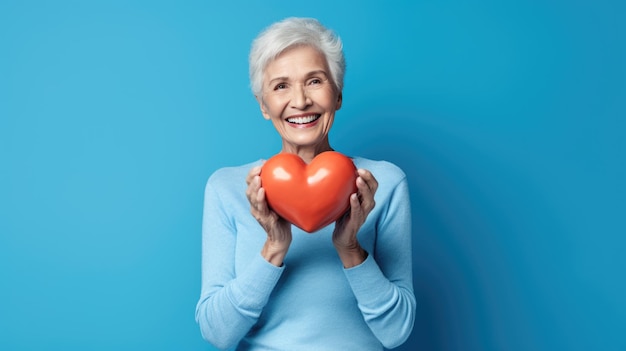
[311, 302]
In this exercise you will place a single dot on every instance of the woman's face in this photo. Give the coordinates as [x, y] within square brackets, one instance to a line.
[300, 98]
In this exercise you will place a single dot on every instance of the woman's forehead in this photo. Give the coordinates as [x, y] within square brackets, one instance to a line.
[295, 62]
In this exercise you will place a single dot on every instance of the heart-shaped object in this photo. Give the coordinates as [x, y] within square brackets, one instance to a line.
[309, 196]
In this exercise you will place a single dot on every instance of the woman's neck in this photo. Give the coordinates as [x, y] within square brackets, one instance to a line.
[307, 153]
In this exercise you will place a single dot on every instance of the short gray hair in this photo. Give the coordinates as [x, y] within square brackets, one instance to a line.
[289, 33]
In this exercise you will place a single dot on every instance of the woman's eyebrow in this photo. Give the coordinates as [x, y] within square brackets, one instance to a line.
[317, 72]
[282, 79]
[309, 74]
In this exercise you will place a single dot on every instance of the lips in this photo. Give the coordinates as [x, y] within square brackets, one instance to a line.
[303, 120]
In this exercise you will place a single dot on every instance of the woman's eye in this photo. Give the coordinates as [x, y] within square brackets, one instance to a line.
[280, 86]
[315, 81]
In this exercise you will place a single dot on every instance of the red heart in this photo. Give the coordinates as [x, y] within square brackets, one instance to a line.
[309, 196]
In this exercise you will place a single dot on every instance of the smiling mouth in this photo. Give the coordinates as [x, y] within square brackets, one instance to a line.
[304, 119]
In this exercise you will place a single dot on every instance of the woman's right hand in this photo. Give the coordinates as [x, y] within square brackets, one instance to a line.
[278, 230]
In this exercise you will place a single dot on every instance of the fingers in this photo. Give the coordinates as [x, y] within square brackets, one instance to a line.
[361, 204]
[256, 196]
[254, 171]
[261, 204]
[254, 184]
[259, 208]
[253, 179]
[369, 179]
[366, 188]
[347, 227]
[254, 192]
[356, 212]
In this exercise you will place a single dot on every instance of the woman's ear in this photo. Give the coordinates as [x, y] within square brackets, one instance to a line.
[262, 106]
[339, 101]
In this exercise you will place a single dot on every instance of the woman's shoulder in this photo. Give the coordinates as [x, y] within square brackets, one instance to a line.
[226, 175]
[389, 176]
[380, 168]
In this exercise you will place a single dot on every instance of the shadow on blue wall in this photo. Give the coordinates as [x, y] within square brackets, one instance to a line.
[463, 267]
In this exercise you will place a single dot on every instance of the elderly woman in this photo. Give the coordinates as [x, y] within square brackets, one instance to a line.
[266, 284]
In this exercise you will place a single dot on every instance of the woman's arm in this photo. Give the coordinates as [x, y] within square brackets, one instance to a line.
[383, 283]
[229, 304]
[278, 229]
[346, 228]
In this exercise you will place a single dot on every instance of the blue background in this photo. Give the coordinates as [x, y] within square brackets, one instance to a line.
[507, 116]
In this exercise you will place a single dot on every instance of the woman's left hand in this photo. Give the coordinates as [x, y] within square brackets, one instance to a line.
[346, 228]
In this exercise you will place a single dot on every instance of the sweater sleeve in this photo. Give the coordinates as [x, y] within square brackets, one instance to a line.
[229, 304]
[383, 284]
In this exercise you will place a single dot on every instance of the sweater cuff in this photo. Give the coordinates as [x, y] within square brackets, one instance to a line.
[255, 285]
[367, 281]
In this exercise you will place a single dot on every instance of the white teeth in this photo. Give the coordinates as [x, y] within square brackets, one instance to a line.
[303, 120]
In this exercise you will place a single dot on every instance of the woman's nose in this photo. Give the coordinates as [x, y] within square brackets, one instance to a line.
[300, 98]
